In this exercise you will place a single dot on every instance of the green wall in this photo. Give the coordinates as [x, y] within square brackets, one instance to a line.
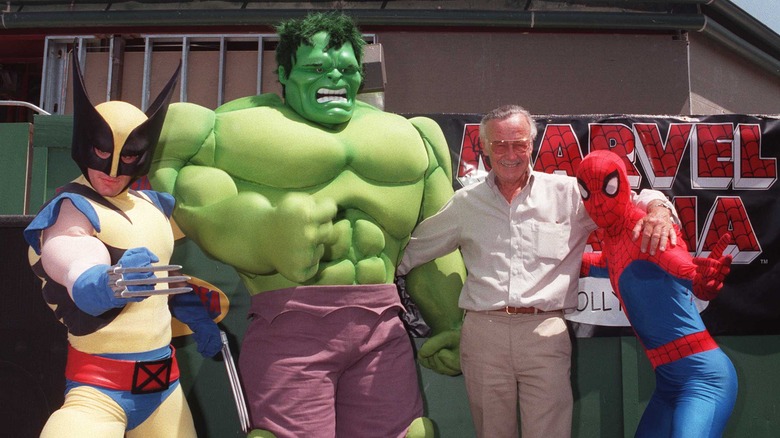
[612, 379]
[13, 156]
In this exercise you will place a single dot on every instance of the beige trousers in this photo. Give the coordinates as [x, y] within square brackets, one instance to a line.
[510, 359]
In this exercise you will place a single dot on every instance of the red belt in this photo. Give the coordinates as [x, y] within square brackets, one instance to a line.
[681, 347]
[123, 375]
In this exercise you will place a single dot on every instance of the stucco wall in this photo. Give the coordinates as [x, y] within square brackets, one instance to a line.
[723, 82]
[549, 73]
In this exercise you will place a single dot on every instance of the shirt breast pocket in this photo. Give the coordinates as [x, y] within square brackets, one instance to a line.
[551, 240]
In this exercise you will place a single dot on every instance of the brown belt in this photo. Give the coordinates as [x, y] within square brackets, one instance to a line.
[524, 310]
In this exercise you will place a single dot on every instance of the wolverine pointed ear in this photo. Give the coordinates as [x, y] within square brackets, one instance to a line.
[79, 89]
[143, 140]
[158, 109]
[90, 130]
[164, 97]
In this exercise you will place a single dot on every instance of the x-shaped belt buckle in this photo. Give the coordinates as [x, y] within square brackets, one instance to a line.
[153, 376]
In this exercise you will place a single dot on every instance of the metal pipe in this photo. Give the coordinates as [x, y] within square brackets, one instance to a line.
[728, 39]
[746, 22]
[380, 17]
[29, 105]
[28, 170]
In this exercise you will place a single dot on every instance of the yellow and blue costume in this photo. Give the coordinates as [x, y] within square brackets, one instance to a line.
[122, 376]
[98, 398]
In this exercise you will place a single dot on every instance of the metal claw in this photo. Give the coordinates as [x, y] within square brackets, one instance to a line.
[120, 270]
[235, 384]
[119, 283]
[148, 293]
[153, 280]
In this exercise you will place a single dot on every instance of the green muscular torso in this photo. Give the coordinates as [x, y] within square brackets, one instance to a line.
[233, 170]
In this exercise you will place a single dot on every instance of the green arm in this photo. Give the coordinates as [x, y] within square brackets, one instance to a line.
[188, 131]
[205, 196]
[435, 286]
[240, 229]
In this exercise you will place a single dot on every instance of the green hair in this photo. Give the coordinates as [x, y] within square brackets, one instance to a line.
[297, 32]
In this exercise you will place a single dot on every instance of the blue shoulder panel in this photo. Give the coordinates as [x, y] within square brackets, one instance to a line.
[49, 214]
[163, 201]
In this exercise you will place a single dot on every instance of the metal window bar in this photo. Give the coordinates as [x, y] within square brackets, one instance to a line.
[55, 64]
[110, 79]
[187, 41]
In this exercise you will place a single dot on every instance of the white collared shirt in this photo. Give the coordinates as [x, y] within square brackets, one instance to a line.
[527, 253]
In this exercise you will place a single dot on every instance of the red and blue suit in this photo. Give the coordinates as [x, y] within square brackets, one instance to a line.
[696, 383]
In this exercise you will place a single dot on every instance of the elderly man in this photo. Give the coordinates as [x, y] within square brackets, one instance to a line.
[522, 234]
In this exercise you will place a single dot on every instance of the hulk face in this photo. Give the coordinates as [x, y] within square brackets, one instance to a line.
[323, 83]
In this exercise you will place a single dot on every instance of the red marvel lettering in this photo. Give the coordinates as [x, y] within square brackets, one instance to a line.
[728, 214]
[752, 172]
[661, 159]
[712, 158]
[559, 151]
[619, 139]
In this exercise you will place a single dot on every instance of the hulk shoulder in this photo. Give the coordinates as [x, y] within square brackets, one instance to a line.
[261, 100]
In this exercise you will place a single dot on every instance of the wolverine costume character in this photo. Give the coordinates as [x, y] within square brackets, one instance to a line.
[121, 372]
[696, 383]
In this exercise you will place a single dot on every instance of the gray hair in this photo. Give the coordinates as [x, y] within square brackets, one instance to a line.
[505, 112]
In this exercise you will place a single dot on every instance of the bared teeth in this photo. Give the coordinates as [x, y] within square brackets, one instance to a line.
[326, 95]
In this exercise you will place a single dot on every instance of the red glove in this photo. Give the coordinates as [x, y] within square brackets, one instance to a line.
[591, 260]
[712, 271]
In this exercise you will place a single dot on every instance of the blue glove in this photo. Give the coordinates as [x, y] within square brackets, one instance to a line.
[189, 309]
[92, 291]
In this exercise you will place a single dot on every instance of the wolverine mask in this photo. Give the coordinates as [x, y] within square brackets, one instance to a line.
[102, 135]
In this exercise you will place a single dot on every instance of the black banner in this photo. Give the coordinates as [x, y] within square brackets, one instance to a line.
[720, 171]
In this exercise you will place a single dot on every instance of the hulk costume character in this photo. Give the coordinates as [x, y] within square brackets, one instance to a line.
[312, 200]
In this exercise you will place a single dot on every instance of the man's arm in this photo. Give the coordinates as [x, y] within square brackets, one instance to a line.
[435, 286]
[656, 227]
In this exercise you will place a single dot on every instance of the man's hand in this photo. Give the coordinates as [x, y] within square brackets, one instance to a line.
[712, 271]
[441, 353]
[656, 229]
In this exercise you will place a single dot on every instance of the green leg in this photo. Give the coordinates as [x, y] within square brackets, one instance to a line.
[260, 433]
[420, 428]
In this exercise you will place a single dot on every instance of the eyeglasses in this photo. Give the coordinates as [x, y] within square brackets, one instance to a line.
[503, 146]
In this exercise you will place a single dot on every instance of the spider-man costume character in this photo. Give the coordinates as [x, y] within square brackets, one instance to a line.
[696, 384]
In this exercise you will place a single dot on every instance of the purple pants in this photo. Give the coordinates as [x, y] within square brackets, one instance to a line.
[330, 361]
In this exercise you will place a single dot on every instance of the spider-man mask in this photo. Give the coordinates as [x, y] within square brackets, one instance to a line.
[604, 187]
